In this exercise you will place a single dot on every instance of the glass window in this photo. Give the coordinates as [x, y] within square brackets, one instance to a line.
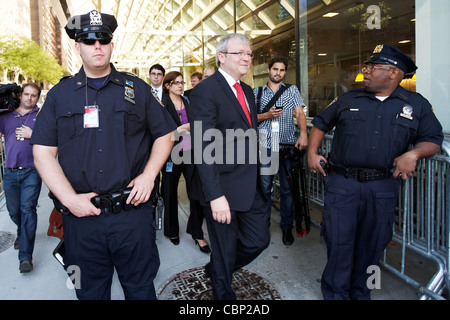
[271, 27]
[218, 24]
[336, 39]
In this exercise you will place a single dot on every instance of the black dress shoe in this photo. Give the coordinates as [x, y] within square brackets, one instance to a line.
[175, 241]
[288, 238]
[25, 266]
[205, 248]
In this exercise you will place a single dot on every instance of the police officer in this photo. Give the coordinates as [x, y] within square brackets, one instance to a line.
[111, 136]
[374, 127]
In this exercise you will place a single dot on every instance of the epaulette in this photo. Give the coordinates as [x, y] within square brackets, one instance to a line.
[128, 74]
[67, 77]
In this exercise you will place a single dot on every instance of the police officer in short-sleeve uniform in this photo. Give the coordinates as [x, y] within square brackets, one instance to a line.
[111, 137]
[374, 128]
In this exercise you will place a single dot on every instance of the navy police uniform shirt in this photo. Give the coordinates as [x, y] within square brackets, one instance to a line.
[106, 158]
[371, 133]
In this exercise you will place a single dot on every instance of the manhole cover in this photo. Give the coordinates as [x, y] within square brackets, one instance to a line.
[6, 240]
[192, 284]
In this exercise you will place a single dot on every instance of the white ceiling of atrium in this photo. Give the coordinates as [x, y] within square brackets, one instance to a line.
[150, 30]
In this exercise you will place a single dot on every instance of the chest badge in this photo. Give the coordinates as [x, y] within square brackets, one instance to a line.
[407, 112]
[129, 92]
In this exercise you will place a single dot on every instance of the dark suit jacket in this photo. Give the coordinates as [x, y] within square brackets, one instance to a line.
[235, 173]
[167, 102]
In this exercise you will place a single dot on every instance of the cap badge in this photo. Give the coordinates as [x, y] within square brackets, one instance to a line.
[378, 48]
[407, 112]
[96, 18]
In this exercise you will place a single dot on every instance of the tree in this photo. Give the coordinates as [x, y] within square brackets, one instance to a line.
[25, 57]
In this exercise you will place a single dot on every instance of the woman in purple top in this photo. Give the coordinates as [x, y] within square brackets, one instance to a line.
[22, 182]
[180, 161]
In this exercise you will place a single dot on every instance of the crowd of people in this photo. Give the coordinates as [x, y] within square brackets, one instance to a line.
[104, 138]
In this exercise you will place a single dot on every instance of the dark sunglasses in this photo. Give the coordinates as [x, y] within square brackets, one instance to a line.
[90, 38]
[91, 42]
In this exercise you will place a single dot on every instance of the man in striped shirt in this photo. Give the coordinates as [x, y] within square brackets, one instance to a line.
[276, 126]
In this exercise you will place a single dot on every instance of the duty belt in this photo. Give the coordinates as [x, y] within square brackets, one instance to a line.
[113, 202]
[362, 174]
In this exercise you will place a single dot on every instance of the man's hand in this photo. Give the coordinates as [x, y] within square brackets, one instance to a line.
[271, 114]
[221, 210]
[405, 165]
[302, 141]
[274, 113]
[314, 163]
[24, 132]
[80, 205]
[142, 189]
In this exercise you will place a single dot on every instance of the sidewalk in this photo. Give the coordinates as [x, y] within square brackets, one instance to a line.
[293, 271]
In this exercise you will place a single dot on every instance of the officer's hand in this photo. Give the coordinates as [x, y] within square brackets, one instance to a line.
[274, 113]
[221, 210]
[314, 163]
[142, 189]
[80, 205]
[405, 166]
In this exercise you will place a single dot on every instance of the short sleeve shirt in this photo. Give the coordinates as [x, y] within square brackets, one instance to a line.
[18, 153]
[370, 133]
[289, 100]
[106, 158]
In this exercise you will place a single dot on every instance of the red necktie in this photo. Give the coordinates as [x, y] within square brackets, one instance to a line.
[241, 99]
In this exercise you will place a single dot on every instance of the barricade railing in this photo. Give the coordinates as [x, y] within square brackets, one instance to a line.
[423, 218]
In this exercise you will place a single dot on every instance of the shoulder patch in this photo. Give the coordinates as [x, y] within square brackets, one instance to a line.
[157, 99]
[335, 99]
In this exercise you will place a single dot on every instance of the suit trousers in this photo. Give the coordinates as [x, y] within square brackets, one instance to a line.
[236, 244]
[357, 226]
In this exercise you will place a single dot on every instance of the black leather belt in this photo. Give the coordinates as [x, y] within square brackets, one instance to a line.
[15, 169]
[362, 174]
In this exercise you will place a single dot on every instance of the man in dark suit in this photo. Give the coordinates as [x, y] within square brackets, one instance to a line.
[223, 125]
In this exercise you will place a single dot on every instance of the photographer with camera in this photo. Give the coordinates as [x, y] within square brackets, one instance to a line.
[276, 102]
[22, 182]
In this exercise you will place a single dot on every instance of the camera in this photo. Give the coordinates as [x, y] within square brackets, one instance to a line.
[9, 96]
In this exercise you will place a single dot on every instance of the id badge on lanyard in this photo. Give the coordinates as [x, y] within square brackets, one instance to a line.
[275, 136]
[90, 119]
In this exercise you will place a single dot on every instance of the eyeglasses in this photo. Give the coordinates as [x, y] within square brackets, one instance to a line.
[178, 83]
[156, 74]
[371, 68]
[90, 42]
[240, 54]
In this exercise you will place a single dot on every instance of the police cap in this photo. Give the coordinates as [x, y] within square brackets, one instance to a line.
[94, 25]
[386, 54]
